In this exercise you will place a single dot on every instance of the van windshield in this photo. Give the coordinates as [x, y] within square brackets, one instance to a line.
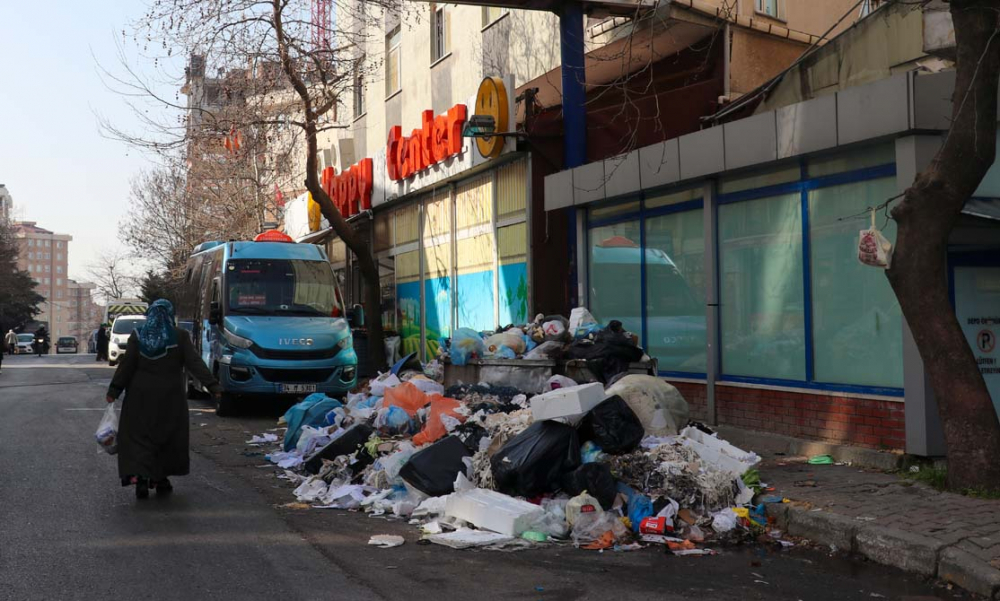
[126, 326]
[282, 287]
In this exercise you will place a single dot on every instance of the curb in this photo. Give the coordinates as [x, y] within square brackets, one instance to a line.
[767, 442]
[913, 553]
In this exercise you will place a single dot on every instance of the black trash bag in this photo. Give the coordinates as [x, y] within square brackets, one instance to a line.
[470, 434]
[349, 442]
[534, 461]
[613, 426]
[609, 354]
[596, 479]
[433, 470]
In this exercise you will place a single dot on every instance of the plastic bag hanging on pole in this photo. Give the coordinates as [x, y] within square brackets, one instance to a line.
[873, 248]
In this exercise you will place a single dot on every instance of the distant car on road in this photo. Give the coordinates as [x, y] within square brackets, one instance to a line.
[25, 344]
[120, 331]
[67, 344]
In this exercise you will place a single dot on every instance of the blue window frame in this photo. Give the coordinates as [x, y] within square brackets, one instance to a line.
[640, 214]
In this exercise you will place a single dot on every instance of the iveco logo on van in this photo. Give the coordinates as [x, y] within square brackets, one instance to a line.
[295, 341]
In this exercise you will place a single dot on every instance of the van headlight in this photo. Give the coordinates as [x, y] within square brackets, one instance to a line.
[237, 341]
[345, 343]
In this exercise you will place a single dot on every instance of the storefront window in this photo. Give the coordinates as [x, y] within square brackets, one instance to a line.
[616, 275]
[387, 292]
[861, 158]
[408, 300]
[857, 324]
[749, 181]
[437, 271]
[763, 324]
[675, 291]
[474, 254]
[663, 200]
[512, 247]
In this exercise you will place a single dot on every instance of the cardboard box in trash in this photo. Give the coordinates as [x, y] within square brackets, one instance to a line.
[494, 511]
[570, 403]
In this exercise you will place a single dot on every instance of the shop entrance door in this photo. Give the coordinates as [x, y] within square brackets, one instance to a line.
[977, 306]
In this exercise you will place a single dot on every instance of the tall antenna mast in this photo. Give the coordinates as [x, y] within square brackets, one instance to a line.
[321, 25]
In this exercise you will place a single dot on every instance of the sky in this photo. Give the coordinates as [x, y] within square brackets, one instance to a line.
[60, 170]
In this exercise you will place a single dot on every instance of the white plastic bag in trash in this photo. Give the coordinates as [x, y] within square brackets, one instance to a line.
[873, 248]
[383, 382]
[658, 405]
[107, 431]
[724, 521]
[558, 381]
[580, 317]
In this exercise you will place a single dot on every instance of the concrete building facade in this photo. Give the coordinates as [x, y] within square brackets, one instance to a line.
[45, 256]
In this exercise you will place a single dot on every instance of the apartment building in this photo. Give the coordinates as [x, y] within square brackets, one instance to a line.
[6, 203]
[45, 256]
[84, 314]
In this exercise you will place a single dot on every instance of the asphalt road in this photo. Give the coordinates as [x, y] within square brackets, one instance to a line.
[69, 531]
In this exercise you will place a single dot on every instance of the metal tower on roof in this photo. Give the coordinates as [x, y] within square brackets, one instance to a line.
[321, 25]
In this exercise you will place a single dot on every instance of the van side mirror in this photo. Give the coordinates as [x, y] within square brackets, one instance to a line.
[356, 316]
[214, 313]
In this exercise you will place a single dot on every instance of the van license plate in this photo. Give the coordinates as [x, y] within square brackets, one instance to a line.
[298, 388]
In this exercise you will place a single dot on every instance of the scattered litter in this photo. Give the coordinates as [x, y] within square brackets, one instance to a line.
[295, 506]
[259, 439]
[386, 541]
[463, 538]
[807, 483]
[821, 460]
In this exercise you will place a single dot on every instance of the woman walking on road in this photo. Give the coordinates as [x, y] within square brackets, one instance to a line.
[153, 429]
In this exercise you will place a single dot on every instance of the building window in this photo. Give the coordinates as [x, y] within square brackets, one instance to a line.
[59, 280]
[857, 323]
[59, 293]
[675, 291]
[59, 256]
[48, 268]
[31, 242]
[31, 255]
[393, 81]
[440, 32]
[359, 88]
[760, 272]
[615, 266]
[771, 8]
[47, 281]
[59, 270]
[59, 244]
[48, 243]
[492, 14]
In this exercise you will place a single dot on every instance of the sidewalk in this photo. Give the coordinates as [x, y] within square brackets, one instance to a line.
[890, 520]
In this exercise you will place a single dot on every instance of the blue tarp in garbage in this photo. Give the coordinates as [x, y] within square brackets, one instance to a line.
[310, 412]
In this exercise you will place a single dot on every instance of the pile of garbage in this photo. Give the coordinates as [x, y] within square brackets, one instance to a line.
[607, 350]
[480, 465]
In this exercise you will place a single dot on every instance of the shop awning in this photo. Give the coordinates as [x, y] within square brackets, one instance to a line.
[315, 237]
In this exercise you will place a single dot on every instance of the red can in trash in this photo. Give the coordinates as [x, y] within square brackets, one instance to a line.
[653, 526]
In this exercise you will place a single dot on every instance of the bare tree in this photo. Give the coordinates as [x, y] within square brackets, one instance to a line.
[113, 274]
[925, 218]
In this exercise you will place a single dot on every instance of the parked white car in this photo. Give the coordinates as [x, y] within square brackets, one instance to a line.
[120, 331]
[25, 344]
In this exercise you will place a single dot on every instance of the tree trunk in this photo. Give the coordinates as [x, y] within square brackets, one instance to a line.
[369, 270]
[918, 275]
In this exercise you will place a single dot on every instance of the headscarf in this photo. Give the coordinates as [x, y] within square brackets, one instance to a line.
[157, 335]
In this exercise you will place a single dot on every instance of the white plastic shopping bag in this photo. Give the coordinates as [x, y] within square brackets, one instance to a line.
[107, 431]
[873, 248]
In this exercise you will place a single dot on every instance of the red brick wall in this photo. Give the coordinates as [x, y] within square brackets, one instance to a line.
[838, 419]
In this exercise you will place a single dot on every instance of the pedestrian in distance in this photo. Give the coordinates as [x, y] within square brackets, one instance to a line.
[10, 341]
[102, 344]
[153, 430]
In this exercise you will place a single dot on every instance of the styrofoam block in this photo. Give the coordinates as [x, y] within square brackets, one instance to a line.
[493, 511]
[718, 452]
[571, 403]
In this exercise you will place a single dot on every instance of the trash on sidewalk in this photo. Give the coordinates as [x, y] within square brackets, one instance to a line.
[463, 538]
[259, 439]
[821, 460]
[490, 465]
[386, 541]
